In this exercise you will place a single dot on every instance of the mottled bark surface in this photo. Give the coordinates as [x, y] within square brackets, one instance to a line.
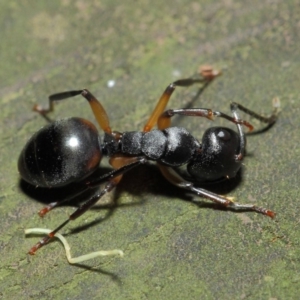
[173, 249]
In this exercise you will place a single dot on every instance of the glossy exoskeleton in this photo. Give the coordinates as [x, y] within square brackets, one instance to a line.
[69, 150]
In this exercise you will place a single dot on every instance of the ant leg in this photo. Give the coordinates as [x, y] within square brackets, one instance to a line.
[127, 165]
[97, 108]
[240, 155]
[227, 202]
[81, 210]
[52, 205]
[164, 120]
[207, 74]
[53, 98]
[112, 179]
[268, 120]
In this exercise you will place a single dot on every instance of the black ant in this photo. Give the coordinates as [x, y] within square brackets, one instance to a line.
[70, 150]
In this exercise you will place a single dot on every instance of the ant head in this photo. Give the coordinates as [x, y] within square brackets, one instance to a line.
[217, 157]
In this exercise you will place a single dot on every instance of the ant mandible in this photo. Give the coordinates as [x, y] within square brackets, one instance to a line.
[69, 150]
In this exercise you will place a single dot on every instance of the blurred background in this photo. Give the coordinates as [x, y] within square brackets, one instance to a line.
[126, 53]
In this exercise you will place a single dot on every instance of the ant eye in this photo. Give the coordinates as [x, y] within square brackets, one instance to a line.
[224, 135]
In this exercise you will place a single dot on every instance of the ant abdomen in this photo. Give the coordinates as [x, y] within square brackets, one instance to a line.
[60, 153]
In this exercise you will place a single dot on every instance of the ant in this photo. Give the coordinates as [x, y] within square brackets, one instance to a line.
[69, 150]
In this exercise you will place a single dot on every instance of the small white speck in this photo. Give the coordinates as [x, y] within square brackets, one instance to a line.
[285, 64]
[111, 83]
[176, 73]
